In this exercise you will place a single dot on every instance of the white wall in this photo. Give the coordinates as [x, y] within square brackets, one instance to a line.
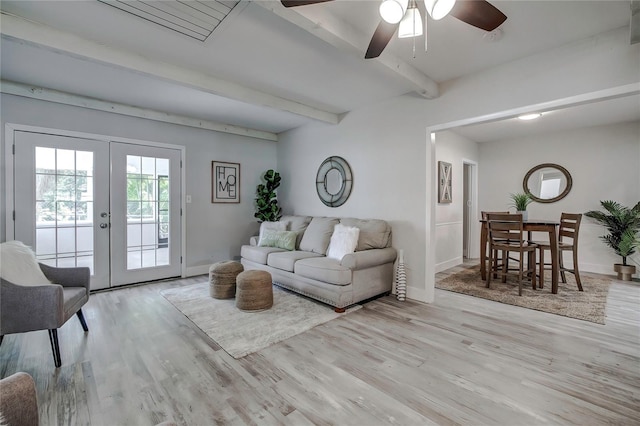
[214, 232]
[454, 149]
[603, 162]
[391, 156]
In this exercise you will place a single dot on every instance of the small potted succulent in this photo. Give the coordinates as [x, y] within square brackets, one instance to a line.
[520, 200]
[623, 224]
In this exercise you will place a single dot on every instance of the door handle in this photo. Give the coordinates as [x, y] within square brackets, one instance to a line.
[104, 225]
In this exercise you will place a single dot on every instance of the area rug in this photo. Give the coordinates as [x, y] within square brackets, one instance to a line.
[588, 305]
[241, 333]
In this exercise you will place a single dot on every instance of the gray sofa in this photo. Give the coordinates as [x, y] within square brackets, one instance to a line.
[307, 270]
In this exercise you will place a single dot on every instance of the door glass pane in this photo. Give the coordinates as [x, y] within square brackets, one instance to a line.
[147, 212]
[64, 201]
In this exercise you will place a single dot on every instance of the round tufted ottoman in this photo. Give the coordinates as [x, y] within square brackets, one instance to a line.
[254, 291]
[222, 279]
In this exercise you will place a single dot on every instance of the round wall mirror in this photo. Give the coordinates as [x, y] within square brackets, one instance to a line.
[547, 183]
[334, 181]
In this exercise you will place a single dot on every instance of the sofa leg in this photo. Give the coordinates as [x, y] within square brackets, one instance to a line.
[55, 347]
[340, 310]
[1, 339]
[82, 321]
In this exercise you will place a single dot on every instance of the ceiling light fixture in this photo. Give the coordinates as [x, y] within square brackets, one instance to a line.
[392, 11]
[531, 116]
[411, 24]
[438, 9]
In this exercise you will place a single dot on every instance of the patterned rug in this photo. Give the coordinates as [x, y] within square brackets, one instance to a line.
[241, 333]
[588, 305]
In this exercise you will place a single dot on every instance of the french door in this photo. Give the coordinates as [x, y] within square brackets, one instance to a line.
[111, 206]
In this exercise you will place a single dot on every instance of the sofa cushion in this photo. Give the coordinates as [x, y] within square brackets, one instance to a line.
[297, 224]
[343, 241]
[258, 254]
[287, 259]
[280, 225]
[323, 269]
[281, 239]
[318, 234]
[374, 233]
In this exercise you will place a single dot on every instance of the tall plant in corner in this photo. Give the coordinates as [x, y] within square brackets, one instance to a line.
[623, 224]
[267, 209]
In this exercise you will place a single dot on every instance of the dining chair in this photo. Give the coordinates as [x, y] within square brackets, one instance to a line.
[506, 234]
[567, 241]
[484, 224]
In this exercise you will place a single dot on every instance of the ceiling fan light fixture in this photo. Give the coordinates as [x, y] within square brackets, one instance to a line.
[392, 11]
[411, 24]
[438, 9]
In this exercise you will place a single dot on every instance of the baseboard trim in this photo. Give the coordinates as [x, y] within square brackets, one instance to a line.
[443, 266]
[192, 271]
[417, 294]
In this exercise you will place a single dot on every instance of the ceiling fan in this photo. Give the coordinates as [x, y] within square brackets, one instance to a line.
[403, 15]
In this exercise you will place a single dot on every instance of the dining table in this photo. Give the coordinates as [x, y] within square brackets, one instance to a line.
[529, 225]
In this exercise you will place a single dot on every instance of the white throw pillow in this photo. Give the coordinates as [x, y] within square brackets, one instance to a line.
[343, 241]
[274, 226]
[18, 265]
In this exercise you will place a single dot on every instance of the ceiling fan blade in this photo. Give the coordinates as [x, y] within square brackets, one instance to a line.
[478, 13]
[380, 39]
[295, 3]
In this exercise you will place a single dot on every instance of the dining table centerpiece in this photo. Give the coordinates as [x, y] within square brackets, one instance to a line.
[520, 201]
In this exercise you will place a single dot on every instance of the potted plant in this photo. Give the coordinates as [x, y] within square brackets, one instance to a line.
[520, 200]
[623, 224]
[267, 209]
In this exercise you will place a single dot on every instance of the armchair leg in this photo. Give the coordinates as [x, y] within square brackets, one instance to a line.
[1, 339]
[55, 347]
[82, 321]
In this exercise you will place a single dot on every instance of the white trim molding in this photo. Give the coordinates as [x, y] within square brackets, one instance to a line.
[50, 95]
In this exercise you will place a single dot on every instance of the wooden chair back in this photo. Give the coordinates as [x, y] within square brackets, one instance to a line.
[505, 228]
[569, 228]
[484, 214]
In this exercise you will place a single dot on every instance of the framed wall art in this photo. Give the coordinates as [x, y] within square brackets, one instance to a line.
[444, 182]
[225, 182]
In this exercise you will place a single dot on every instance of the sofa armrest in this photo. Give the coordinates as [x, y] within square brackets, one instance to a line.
[368, 258]
[253, 241]
[68, 277]
[29, 308]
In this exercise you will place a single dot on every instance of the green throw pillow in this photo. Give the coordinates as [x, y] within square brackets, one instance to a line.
[280, 239]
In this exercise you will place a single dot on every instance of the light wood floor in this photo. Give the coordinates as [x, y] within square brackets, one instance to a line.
[461, 360]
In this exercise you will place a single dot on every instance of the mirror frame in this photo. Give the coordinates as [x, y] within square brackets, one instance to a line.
[341, 165]
[563, 194]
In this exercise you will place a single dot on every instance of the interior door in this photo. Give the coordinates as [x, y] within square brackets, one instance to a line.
[61, 199]
[145, 213]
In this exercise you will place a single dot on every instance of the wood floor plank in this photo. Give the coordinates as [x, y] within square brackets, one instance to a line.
[460, 360]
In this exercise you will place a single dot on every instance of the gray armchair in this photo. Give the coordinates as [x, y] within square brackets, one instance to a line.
[48, 306]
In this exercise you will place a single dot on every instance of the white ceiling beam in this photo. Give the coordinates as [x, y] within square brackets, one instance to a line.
[34, 33]
[345, 37]
[49, 95]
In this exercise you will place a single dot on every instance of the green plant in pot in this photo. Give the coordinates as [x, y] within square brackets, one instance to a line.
[267, 209]
[623, 224]
[520, 201]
